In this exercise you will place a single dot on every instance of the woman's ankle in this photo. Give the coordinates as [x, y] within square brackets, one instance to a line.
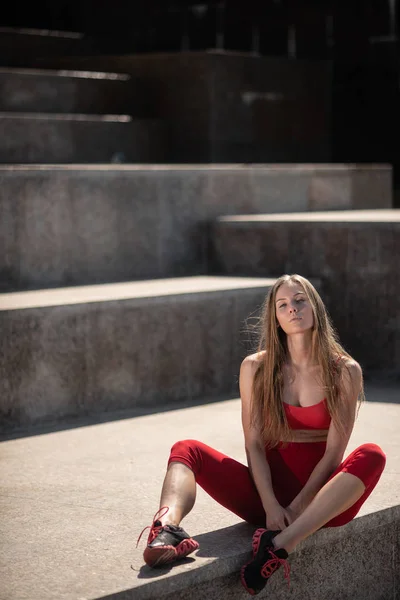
[175, 523]
[170, 518]
[279, 541]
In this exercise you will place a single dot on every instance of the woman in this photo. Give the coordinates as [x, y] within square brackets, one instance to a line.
[299, 396]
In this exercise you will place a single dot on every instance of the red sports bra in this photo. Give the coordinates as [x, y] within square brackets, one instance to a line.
[308, 417]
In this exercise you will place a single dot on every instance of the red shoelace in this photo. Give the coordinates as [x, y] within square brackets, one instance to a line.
[154, 529]
[272, 564]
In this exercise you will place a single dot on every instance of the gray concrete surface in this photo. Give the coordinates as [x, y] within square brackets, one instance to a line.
[63, 91]
[23, 46]
[79, 351]
[29, 138]
[81, 225]
[74, 502]
[232, 106]
[354, 253]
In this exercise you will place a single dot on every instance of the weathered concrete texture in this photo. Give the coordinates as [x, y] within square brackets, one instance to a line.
[354, 253]
[23, 47]
[49, 138]
[316, 573]
[72, 225]
[177, 341]
[30, 90]
[74, 503]
[232, 107]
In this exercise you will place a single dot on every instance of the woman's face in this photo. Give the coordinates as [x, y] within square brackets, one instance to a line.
[293, 309]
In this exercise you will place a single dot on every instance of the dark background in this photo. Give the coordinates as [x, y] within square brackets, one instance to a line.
[360, 38]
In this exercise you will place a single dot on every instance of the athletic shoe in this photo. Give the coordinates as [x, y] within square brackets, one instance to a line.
[266, 560]
[166, 543]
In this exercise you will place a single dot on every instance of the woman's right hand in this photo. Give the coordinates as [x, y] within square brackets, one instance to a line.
[278, 518]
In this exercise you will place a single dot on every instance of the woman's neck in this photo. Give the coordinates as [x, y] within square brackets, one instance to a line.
[300, 351]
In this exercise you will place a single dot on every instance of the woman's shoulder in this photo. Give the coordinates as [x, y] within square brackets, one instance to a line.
[350, 373]
[351, 366]
[254, 359]
[251, 364]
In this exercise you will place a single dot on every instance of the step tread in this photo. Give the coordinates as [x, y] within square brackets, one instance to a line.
[129, 290]
[64, 73]
[196, 167]
[39, 116]
[98, 556]
[350, 216]
[75, 35]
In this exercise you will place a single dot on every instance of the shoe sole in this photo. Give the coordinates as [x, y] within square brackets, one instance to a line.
[256, 540]
[163, 555]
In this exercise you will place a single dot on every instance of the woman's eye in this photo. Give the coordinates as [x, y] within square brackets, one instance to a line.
[300, 300]
[282, 305]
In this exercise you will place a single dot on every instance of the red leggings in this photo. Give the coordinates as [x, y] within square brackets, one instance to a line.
[230, 484]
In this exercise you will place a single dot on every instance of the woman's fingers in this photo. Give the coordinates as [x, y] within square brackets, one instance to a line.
[282, 523]
[279, 518]
[288, 517]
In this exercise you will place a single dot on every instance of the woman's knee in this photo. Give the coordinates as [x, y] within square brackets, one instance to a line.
[188, 453]
[184, 446]
[373, 457]
[377, 452]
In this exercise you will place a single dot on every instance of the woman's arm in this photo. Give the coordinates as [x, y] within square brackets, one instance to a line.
[255, 451]
[336, 442]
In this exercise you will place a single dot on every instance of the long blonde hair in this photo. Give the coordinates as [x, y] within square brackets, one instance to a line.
[267, 410]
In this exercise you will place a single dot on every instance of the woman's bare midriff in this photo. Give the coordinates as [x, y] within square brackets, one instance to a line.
[307, 435]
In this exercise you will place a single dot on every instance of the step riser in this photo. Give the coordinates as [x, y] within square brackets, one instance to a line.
[79, 227]
[36, 92]
[66, 361]
[24, 50]
[33, 141]
[349, 572]
[358, 266]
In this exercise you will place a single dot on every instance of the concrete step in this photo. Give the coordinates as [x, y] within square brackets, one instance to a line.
[74, 502]
[80, 225]
[62, 91]
[231, 106]
[100, 348]
[355, 253]
[57, 138]
[24, 46]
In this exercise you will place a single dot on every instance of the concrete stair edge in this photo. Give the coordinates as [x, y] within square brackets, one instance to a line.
[176, 203]
[222, 568]
[72, 91]
[64, 73]
[85, 327]
[374, 215]
[352, 251]
[131, 290]
[74, 138]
